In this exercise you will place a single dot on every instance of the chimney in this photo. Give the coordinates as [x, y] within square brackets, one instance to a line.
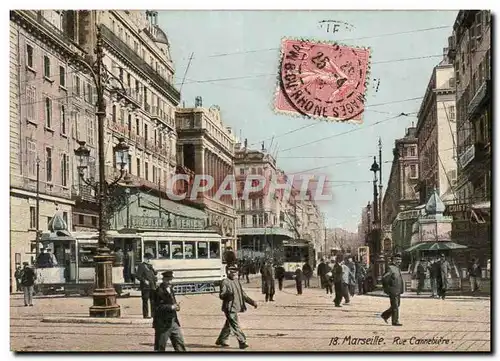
[198, 102]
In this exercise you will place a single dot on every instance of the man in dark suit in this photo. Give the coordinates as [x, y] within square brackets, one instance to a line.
[28, 277]
[165, 320]
[322, 271]
[146, 274]
[233, 302]
[392, 282]
[279, 273]
[268, 281]
[337, 281]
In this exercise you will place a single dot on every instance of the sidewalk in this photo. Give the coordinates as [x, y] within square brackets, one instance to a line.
[453, 295]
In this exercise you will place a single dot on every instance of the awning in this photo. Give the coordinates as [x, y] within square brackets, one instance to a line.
[435, 246]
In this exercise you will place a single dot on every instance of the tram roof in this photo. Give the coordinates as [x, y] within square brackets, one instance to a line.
[296, 243]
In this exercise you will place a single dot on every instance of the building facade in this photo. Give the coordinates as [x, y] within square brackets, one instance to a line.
[400, 193]
[436, 133]
[205, 145]
[470, 51]
[44, 96]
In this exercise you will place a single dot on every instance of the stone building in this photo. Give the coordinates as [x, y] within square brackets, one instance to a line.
[205, 145]
[436, 133]
[46, 93]
[400, 194]
[470, 50]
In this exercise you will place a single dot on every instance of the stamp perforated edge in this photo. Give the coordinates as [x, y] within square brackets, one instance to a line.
[296, 114]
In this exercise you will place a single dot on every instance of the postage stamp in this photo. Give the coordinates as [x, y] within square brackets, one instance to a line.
[322, 80]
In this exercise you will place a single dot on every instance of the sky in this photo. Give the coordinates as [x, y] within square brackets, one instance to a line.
[234, 65]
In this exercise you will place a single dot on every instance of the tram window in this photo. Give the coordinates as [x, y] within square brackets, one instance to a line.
[164, 249]
[189, 249]
[86, 255]
[202, 250]
[150, 247]
[177, 250]
[214, 250]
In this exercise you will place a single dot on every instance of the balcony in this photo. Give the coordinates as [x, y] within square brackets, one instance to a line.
[129, 55]
[118, 127]
[467, 156]
[149, 146]
[83, 192]
[481, 96]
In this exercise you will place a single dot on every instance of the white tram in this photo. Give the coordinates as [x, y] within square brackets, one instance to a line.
[194, 256]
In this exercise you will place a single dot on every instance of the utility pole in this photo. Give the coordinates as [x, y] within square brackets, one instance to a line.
[380, 187]
[37, 221]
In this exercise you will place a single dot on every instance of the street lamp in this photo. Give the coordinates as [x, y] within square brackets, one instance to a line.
[104, 295]
[376, 219]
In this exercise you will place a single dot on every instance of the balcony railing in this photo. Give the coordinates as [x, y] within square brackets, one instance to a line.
[482, 94]
[163, 85]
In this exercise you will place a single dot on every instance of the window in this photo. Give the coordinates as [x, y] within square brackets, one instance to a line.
[202, 248]
[89, 93]
[76, 125]
[138, 167]
[30, 103]
[64, 169]
[29, 56]
[177, 250]
[254, 204]
[261, 220]
[122, 116]
[91, 131]
[413, 171]
[114, 114]
[242, 171]
[65, 217]
[48, 164]
[46, 66]
[253, 170]
[81, 219]
[259, 170]
[261, 203]
[266, 218]
[254, 220]
[146, 170]
[62, 76]
[214, 250]
[49, 219]
[164, 249]
[77, 85]
[145, 131]
[189, 250]
[412, 151]
[63, 120]
[94, 221]
[129, 124]
[48, 112]
[150, 247]
[242, 205]
[137, 126]
[451, 112]
[32, 217]
[31, 157]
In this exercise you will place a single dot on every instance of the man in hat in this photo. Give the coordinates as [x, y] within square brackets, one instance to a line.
[442, 278]
[233, 302]
[392, 282]
[420, 276]
[268, 281]
[322, 271]
[146, 274]
[28, 277]
[165, 320]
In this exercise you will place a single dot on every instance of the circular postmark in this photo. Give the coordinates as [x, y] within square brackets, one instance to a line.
[324, 80]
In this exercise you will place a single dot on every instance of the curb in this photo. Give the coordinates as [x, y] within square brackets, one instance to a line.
[428, 297]
[96, 320]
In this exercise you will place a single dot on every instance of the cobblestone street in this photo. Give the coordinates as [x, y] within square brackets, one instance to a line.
[293, 323]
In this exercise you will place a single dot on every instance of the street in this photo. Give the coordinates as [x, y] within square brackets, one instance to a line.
[308, 322]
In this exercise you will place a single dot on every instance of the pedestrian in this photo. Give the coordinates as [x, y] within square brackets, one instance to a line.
[434, 271]
[298, 280]
[392, 282]
[475, 275]
[346, 276]
[129, 265]
[329, 278]
[246, 269]
[322, 271]
[18, 276]
[234, 301]
[146, 275]
[165, 320]
[307, 271]
[352, 276]
[118, 257]
[420, 276]
[279, 273]
[442, 279]
[28, 277]
[268, 281]
[337, 281]
[361, 275]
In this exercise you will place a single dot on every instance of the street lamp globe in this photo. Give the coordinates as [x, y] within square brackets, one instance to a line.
[82, 155]
[375, 168]
[121, 153]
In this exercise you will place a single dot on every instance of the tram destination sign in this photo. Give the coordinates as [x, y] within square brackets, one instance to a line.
[164, 223]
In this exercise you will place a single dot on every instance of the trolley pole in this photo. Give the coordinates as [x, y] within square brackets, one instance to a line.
[37, 221]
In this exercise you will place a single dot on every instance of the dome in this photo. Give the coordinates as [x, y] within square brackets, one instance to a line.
[57, 223]
[160, 36]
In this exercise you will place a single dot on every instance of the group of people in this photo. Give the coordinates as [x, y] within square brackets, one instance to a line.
[25, 281]
[346, 275]
[438, 270]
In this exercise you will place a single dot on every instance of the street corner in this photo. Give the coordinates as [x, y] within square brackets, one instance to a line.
[322, 80]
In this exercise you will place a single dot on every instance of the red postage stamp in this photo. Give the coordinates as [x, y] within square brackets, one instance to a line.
[322, 80]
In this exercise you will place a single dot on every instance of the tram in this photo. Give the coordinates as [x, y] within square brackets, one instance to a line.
[296, 252]
[194, 257]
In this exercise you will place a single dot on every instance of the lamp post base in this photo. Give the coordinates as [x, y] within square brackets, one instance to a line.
[104, 293]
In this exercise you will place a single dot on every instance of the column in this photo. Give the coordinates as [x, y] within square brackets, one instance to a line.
[199, 157]
[212, 171]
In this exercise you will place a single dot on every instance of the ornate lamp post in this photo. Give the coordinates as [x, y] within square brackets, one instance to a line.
[376, 220]
[104, 295]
